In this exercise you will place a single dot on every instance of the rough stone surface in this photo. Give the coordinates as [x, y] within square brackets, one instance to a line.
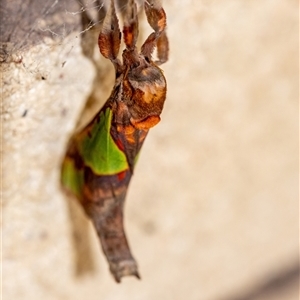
[212, 211]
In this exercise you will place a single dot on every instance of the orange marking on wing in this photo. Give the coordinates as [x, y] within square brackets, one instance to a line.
[128, 131]
[146, 123]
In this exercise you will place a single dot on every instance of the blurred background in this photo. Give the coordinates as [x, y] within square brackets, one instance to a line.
[212, 211]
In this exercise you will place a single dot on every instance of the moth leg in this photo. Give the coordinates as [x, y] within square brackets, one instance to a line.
[156, 17]
[110, 37]
[131, 30]
[162, 48]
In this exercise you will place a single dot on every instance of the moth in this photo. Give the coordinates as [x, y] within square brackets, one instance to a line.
[100, 159]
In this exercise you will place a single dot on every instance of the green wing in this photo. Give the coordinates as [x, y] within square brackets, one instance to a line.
[72, 179]
[98, 149]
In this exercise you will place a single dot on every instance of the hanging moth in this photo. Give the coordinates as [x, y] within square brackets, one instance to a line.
[100, 159]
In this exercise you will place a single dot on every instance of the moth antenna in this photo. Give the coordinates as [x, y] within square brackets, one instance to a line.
[131, 25]
[110, 36]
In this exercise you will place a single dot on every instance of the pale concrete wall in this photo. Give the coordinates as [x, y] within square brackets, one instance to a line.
[212, 211]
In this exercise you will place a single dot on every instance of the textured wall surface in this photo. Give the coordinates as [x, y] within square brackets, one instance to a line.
[212, 212]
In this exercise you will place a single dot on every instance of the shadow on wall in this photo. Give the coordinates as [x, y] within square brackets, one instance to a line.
[273, 286]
